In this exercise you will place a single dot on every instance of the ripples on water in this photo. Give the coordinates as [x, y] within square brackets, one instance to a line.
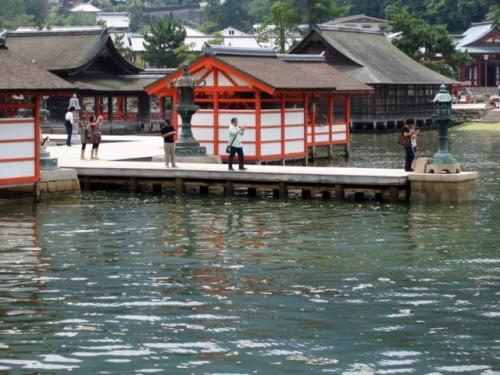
[119, 284]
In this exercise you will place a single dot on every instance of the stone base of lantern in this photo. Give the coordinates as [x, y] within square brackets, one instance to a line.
[190, 149]
[443, 168]
[442, 188]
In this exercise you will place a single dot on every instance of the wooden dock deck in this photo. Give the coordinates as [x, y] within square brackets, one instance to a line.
[113, 170]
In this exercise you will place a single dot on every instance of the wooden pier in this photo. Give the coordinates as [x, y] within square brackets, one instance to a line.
[116, 171]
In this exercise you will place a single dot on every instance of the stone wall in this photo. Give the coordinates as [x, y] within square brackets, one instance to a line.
[466, 115]
[442, 188]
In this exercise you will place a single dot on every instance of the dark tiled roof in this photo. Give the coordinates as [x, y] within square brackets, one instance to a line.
[281, 74]
[18, 74]
[113, 84]
[375, 59]
[59, 51]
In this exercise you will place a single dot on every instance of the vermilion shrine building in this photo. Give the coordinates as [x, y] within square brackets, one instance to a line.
[288, 103]
[482, 42]
[22, 84]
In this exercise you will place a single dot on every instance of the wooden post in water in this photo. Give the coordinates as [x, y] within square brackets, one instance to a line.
[179, 186]
[339, 192]
[228, 189]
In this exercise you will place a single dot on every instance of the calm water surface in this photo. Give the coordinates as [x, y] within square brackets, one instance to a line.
[136, 284]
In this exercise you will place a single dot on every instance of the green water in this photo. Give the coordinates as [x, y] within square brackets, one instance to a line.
[136, 284]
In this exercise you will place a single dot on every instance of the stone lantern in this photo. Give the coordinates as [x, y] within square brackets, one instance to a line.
[187, 144]
[443, 161]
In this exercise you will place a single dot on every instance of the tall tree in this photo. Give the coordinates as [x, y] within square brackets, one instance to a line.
[165, 37]
[429, 44]
[283, 18]
[494, 13]
[317, 11]
[39, 9]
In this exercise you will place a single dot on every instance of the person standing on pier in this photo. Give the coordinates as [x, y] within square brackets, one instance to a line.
[405, 140]
[235, 146]
[68, 123]
[95, 136]
[168, 134]
[85, 133]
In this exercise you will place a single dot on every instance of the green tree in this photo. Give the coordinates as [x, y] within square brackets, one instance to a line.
[208, 27]
[184, 55]
[165, 37]
[121, 45]
[218, 39]
[80, 19]
[429, 44]
[284, 19]
[494, 13]
[229, 13]
[39, 9]
[317, 11]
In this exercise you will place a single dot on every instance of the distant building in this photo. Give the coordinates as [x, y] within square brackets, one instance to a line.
[107, 83]
[359, 21]
[403, 87]
[482, 42]
[195, 40]
[86, 8]
[119, 21]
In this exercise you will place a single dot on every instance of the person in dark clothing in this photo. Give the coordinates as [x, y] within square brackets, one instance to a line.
[407, 134]
[168, 134]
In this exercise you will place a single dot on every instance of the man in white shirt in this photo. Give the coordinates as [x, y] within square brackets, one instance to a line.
[234, 145]
[68, 123]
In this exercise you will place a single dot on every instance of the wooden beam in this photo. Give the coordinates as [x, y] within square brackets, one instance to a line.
[258, 122]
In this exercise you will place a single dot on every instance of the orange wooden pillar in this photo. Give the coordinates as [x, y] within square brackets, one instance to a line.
[175, 119]
[216, 111]
[258, 122]
[283, 119]
[306, 126]
[330, 118]
[36, 117]
[347, 117]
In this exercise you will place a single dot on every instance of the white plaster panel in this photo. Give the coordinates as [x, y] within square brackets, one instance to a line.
[22, 130]
[294, 132]
[17, 169]
[273, 134]
[339, 128]
[203, 133]
[269, 119]
[248, 149]
[294, 118]
[203, 118]
[209, 146]
[210, 79]
[294, 147]
[309, 139]
[271, 148]
[17, 150]
[339, 137]
[322, 138]
[224, 82]
[244, 117]
[199, 74]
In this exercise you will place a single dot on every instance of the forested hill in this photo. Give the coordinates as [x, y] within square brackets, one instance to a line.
[242, 14]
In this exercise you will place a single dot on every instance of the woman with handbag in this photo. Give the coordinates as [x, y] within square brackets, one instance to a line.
[235, 146]
[95, 136]
[85, 133]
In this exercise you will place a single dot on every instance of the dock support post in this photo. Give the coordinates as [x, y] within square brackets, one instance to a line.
[37, 195]
[325, 194]
[133, 185]
[179, 186]
[283, 191]
[228, 189]
[204, 190]
[252, 192]
[306, 194]
[339, 192]
[394, 194]
[86, 183]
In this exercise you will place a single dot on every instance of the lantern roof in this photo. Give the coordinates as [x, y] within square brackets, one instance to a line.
[443, 96]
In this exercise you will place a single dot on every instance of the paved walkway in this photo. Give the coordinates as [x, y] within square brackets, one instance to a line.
[113, 163]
